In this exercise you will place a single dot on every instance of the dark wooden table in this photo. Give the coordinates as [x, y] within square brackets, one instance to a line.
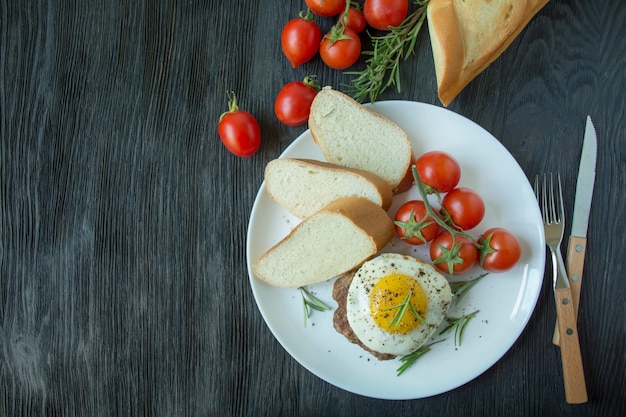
[124, 287]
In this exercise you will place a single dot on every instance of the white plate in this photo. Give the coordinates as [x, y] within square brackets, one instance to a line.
[506, 301]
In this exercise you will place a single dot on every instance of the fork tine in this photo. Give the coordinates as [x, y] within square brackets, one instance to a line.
[550, 197]
[545, 200]
[561, 212]
[554, 206]
[552, 201]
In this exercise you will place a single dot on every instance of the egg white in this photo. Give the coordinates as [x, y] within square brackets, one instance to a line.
[436, 289]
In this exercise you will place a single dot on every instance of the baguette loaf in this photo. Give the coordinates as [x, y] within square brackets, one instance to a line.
[351, 135]
[304, 186]
[334, 240]
[468, 35]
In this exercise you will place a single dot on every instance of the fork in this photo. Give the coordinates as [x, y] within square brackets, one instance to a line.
[551, 206]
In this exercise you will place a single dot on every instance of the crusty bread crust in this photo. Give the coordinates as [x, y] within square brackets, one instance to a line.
[316, 251]
[376, 223]
[284, 180]
[350, 134]
[467, 36]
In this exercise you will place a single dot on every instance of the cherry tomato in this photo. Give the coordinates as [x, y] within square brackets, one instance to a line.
[354, 20]
[452, 255]
[301, 39]
[340, 48]
[438, 170]
[239, 130]
[499, 250]
[380, 14]
[465, 207]
[412, 225]
[326, 8]
[293, 103]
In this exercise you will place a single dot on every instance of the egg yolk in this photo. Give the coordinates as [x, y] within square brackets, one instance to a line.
[389, 304]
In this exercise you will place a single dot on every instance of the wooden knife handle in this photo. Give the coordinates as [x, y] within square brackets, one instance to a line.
[574, 264]
[571, 359]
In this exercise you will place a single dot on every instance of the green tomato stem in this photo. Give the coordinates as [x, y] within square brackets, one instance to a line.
[441, 222]
[232, 104]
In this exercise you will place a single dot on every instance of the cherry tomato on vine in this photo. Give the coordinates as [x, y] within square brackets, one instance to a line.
[412, 225]
[293, 103]
[326, 8]
[354, 20]
[465, 207]
[499, 250]
[380, 14]
[340, 48]
[439, 170]
[300, 39]
[239, 130]
[453, 255]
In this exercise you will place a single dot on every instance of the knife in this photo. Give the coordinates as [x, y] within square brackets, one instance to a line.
[582, 206]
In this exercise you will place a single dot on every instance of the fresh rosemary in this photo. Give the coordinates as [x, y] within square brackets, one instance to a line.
[460, 288]
[311, 302]
[383, 65]
[411, 358]
[458, 324]
[402, 308]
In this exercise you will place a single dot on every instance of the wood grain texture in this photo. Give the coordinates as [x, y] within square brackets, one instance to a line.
[571, 358]
[123, 280]
[574, 264]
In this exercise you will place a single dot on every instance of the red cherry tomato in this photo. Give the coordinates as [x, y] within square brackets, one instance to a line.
[326, 8]
[439, 171]
[300, 39]
[452, 256]
[239, 130]
[293, 103]
[465, 207]
[340, 49]
[380, 14]
[499, 250]
[354, 20]
[412, 225]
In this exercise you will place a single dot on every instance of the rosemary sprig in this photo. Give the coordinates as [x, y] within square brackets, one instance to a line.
[402, 308]
[460, 288]
[458, 324]
[383, 65]
[411, 358]
[311, 302]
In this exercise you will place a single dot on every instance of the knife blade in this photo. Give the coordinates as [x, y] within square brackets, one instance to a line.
[577, 243]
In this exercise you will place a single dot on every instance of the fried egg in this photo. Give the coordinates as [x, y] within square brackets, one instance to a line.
[396, 302]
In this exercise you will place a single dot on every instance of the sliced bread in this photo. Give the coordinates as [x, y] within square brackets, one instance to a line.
[305, 186]
[467, 36]
[351, 135]
[334, 240]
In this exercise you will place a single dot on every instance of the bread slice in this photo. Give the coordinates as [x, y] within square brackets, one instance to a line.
[351, 135]
[304, 186]
[334, 240]
[468, 35]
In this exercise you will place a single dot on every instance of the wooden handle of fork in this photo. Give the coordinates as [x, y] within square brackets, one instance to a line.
[571, 359]
[574, 264]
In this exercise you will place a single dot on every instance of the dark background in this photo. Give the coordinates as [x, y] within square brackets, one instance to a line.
[124, 288]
